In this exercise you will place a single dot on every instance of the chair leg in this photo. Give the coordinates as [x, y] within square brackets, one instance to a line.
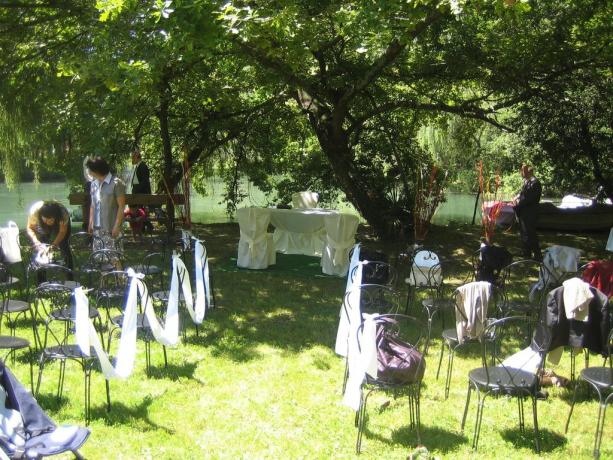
[572, 406]
[107, 384]
[361, 423]
[41, 365]
[31, 370]
[440, 358]
[346, 375]
[520, 411]
[470, 389]
[479, 419]
[536, 424]
[449, 371]
[60, 384]
[602, 409]
[87, 386]
[147, 357]
[417, 413]
[165, 357]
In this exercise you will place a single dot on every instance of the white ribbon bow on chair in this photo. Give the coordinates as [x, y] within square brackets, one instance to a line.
[169, 334]
[87, 337]
[252, 241]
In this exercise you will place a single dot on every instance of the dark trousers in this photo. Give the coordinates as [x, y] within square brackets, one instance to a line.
[529, 239]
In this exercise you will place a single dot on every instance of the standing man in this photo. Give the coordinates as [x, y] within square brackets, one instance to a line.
[108, 198]
[140, 182]
[526, 210]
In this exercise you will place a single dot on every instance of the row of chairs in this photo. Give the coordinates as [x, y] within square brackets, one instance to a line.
[494, 377]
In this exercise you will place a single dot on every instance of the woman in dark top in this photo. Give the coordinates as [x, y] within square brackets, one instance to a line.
[49, 224]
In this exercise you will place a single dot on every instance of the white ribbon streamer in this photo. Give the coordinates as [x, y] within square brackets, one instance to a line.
[87, 337]
[168, 335]
[203, 285]
[342, 334]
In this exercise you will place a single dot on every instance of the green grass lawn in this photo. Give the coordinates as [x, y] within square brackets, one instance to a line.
[262, 380]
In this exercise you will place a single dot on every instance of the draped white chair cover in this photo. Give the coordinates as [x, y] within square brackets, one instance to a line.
[340, 230]
[305, 200]
[256, 249]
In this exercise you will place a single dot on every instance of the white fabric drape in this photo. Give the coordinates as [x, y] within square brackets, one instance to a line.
[340, 229]
[305, 199]
[255, 247]
[342, 334]
[362, 360]
[87, 337]
[203, 287]
[472, 301]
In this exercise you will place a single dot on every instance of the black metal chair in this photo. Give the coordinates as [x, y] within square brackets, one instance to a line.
[518, 290]
[55, 303]
[111, 292]
[11, 343]
[601, 379]
[450, 340]
[373, 298]
[12, 309]
[144, 332]
[519, 380]
[407, 329]
[154, 263]
[426, 275]
[102, 261]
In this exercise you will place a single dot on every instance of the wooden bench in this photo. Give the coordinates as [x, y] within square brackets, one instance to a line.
[170, 201]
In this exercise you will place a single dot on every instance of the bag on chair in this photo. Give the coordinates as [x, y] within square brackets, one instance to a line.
[398, 361]
[9, 242]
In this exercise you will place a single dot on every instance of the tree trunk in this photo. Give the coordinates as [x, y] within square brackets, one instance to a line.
[168, 188]
[371, 204]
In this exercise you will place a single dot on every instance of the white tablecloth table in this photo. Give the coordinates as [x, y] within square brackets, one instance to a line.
[300, 231]
[315, 232]
[610, 241]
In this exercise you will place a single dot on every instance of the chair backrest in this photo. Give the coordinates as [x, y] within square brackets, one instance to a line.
[106, 259]
[516, 349]
[518, 283]
[112, 288]
[305, 200]
[253, 222]
[372, 298]
[490, 262]
[375, 272]
[396, 328]
[49, 297]
[426, 270]
[472, 303]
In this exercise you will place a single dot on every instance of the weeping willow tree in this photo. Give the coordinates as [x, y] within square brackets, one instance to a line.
[13, 147]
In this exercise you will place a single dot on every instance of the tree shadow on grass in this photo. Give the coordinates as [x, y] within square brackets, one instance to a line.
[50, 402]
[549, 441]
[121, 414]
[174, 371]
[431, 436]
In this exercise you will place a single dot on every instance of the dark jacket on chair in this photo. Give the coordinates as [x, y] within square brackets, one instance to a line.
[592, 334]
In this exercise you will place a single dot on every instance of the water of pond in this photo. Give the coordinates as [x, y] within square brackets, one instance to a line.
[205, 209]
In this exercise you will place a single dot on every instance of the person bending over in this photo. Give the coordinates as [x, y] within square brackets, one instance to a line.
[49, 224]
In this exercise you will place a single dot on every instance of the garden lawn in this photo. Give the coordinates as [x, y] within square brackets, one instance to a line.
[261, 380]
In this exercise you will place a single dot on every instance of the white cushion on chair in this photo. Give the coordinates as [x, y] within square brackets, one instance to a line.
[340, 238]
[305, 200]
[256, 249]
